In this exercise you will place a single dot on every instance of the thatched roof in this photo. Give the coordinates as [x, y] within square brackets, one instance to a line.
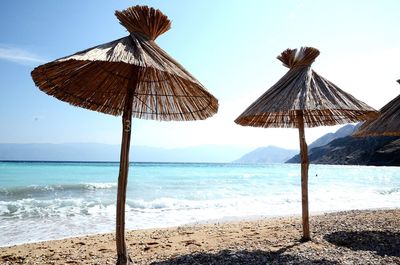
[97, 78]
[302, 91]
[387, 124]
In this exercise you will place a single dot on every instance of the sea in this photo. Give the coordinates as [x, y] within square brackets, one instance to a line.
[53, 200]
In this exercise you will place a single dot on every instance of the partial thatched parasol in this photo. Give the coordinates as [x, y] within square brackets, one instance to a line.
[387, 124]
[131, 76]
[302, 98]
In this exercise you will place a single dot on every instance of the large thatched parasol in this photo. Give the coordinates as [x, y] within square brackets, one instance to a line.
[387, 124]
[302, 98]
[130, 76]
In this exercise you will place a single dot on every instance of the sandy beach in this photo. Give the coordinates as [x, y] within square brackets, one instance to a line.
[352, 237]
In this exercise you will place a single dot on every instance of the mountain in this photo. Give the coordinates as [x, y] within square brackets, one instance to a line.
[329, 137]
[59, 152]
[198, 154]
[270, 154]
[326, 139]
[348, 150]
[377, 151]
[106, 152]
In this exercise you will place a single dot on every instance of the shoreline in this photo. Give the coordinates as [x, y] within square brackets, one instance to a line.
[225, 220]
[337, 237]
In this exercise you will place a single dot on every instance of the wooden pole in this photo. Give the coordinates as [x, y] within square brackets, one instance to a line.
[304, 177]
[123, 256]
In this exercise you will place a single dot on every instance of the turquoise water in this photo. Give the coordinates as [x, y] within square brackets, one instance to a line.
[50, 200]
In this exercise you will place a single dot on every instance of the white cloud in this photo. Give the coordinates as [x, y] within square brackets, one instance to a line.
[19, 56]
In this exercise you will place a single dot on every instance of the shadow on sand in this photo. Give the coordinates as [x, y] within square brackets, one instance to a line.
[381, 242]
[227, 257]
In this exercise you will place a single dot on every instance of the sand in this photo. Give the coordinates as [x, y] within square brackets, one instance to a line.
[352, 237]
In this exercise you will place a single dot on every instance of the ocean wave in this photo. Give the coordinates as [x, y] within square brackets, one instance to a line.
[42, 208]
[389, 191]
[35, 208]
[166, 203]
[92, 207]
[36, 189]
[66, 207]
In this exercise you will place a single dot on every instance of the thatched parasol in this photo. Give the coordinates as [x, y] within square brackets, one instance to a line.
[302, 98]
[131, 76]
[387, 124]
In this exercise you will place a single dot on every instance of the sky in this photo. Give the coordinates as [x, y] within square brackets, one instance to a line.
[229, 46]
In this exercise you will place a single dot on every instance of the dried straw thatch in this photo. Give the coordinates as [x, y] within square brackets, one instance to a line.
[301, 88]
[387, 124]
[97, 78]
[302, 98]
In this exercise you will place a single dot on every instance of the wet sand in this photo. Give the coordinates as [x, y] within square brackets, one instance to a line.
[352, 237]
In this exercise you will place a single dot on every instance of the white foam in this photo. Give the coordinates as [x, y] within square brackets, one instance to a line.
[101, 185]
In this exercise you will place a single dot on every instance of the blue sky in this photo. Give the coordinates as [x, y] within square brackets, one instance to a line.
[230, 46]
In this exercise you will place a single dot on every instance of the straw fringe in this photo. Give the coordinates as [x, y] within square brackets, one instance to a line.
[321, 102]
[97, 79]
[387, 124]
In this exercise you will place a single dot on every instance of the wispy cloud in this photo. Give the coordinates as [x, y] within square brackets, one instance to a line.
[20, 56]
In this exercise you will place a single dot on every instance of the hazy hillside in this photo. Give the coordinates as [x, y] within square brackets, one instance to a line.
[347, 150]
[269, 154]
[378, 151]
[327, 138]
[105, 152]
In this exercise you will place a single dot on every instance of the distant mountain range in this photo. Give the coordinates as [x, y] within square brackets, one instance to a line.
[267, 155]
[106, 152]
[332, 148]
[344, 149]
[273, 154]
[329, 137]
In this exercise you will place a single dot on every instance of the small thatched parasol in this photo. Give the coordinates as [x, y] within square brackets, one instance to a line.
[302, 98]
[387, 124]
[130, 76]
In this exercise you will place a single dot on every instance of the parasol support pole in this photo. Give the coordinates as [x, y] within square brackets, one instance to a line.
[122, 252]
[304, 177]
